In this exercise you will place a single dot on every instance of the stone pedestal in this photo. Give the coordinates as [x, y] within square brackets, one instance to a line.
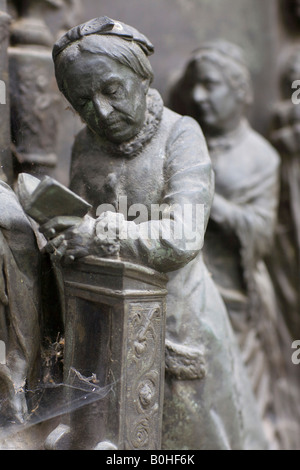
[114, 356]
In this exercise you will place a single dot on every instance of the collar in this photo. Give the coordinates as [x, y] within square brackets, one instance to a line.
[134, 146]
[226, 142]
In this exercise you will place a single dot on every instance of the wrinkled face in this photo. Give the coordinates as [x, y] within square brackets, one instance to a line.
[109, 97]
[215, 104]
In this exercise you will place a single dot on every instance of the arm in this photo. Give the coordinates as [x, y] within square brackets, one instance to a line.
[165, 244]
[172, 242]
[251, 215]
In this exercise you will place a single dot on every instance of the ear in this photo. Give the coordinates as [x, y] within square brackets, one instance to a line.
[245, 94]
[146, 84]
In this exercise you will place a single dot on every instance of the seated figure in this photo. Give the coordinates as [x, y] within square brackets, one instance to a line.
[134, 148]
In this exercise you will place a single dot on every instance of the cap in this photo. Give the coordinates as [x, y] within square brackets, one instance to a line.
[103, 26]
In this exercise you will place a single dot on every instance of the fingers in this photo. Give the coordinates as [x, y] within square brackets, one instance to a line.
[62, 248]
[54, 244]
[58, 224]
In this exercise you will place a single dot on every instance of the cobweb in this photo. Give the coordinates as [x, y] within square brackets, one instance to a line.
[52, 397]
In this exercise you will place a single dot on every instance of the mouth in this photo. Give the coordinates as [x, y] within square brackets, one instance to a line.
[112, 124]
[204, 107]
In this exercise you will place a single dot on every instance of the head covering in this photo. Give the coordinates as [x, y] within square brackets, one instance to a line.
[223, 48]
[103, 26]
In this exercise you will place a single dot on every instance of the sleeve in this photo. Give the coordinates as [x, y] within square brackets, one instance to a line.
[252, 213]
[169, 242]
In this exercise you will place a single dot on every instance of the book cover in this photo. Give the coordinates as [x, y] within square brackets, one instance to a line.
[47, 198]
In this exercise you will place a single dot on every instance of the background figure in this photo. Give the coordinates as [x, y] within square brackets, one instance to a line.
[215, 89]
[20, 298]
[285, 135]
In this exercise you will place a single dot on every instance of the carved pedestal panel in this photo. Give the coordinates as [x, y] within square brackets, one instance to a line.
[114, 356]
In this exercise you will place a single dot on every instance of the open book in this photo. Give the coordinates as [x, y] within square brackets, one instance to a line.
[47, 198]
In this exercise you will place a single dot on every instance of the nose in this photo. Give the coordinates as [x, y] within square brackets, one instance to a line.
[102, 106]
[199, 94]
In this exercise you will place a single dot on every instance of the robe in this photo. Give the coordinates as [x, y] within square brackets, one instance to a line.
[208, 399]
[238, 238]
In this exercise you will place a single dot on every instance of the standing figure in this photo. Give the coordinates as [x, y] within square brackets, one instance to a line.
[134, 148]
[285, 135]
[215, 89]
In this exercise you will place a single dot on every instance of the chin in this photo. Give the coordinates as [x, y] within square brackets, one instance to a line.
[120, 137]
[208, 123]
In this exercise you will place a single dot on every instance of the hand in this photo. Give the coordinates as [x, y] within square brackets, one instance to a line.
[111, 226]
[74, 239]
[59, 224]
[221, 211]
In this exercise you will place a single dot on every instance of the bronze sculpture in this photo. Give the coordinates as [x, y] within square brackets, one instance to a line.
[134, 147]
[215, 89]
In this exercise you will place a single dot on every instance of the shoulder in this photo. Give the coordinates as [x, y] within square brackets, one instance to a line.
[184, 131]
[261, 150]
[178, 123]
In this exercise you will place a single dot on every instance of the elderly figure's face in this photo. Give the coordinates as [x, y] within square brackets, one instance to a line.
[109, 96]
[215, 104]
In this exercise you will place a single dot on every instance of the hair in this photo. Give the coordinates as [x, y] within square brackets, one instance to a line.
[228, 58]
[125, 52]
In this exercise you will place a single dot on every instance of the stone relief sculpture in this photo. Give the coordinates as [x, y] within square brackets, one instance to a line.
[215, 89]
[285, 266]
[134, 149]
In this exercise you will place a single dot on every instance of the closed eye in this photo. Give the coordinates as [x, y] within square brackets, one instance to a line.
[82, 101]
[112, 89]
[210, 84]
